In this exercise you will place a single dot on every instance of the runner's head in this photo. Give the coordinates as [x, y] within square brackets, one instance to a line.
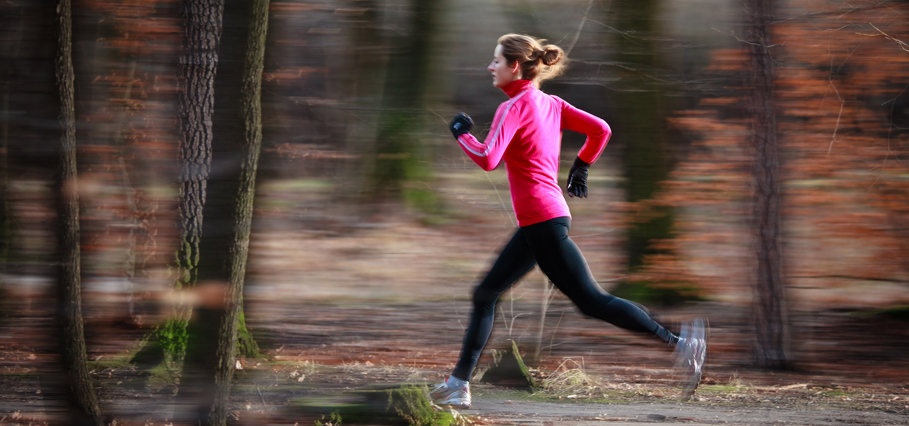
[530, 57]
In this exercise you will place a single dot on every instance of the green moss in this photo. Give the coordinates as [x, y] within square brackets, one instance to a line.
[333, 419]
[167, 343]
[246, 345]
[405, 404]
[411, 404]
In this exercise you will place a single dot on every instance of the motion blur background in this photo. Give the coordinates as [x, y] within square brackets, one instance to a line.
[371, 227]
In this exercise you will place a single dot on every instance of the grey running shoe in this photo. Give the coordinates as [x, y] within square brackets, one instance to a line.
[690, 353]
[444, 395]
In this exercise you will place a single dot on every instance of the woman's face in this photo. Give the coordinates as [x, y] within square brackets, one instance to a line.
[502, 73]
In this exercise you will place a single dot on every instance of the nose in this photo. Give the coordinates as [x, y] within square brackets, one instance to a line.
[490, 67]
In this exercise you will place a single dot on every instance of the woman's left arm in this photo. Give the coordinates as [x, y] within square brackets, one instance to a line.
[596, 129]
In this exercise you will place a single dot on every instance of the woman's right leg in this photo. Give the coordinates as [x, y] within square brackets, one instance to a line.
[514, 261]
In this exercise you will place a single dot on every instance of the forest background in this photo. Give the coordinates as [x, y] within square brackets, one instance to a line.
[369, 227]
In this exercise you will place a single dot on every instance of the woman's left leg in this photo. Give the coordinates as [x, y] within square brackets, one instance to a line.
[515, 260]
[562, 261]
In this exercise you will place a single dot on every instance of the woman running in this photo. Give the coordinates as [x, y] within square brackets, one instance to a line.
[526, 133]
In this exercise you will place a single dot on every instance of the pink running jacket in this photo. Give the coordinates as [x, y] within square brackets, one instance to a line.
[527, 133]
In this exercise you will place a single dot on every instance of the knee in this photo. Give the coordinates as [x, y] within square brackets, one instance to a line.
[483, 298]
[594, 305]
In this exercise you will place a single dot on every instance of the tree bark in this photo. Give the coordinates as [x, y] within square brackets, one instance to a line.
[203, 23]
[198, 65]
[770, 317]
[83, 402]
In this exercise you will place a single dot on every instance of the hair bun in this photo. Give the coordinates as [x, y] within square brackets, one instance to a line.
[551, 54]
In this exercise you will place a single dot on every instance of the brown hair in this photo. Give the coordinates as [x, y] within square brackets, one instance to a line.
[538, 62]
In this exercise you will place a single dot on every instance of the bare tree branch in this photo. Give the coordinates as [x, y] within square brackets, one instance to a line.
[837, 13]
[580, 27]
[903, 45]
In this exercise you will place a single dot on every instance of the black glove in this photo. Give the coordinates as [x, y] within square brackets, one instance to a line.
[577, 179]
[460, 124]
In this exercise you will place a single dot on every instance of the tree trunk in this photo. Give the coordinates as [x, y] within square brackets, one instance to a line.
[362, 76]
[399, 152]
[10, 60]
[770, 319]
[5, 211]
[251, 115]
[84, 407]
[203, 21]
[641, 115]
[212, 353]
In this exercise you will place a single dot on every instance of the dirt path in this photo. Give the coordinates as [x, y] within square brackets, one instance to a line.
[501, 408]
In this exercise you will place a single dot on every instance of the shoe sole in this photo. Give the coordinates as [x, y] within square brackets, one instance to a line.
[462, 407]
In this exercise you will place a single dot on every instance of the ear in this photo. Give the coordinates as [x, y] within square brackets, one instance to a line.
[516, 67]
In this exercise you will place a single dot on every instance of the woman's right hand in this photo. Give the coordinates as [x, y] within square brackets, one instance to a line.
[460, 124]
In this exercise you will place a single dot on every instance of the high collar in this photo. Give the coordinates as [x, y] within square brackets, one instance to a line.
[512, 89]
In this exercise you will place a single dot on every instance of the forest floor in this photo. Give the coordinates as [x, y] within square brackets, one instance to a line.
[337, 312]
[592, 376]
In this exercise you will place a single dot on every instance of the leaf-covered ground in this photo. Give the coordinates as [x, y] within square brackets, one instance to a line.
[853, 372]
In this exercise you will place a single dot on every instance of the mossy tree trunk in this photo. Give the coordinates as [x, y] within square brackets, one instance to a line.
[251, 146]
[769, 306]
[213, 331]
[83, 402]
[202, 25]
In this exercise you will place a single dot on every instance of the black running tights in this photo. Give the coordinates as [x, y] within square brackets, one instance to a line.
[547, 244]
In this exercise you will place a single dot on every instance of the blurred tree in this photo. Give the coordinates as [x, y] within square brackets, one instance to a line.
[10, 50]
[639, 121]
[83, 402]
[401, 168]
[213, 333]
[364, 81]
[769, 306]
